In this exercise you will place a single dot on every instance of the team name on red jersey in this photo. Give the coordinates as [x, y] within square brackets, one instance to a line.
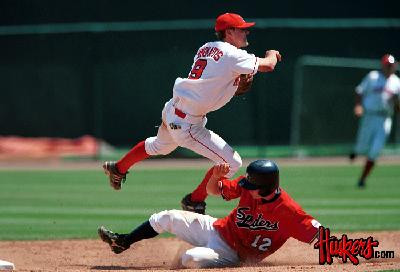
[207, 51]
[247, 221]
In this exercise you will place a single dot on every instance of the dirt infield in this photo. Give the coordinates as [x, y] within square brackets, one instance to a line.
[162, 255]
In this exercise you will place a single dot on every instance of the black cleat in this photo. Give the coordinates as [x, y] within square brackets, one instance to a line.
[352, 156]
[115, 240]
[116, 178]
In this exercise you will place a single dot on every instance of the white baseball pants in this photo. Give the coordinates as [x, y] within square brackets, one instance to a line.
[190, 132]
[372, 134]
[197, 229]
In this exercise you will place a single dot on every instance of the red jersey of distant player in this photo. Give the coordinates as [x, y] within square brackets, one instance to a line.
[255, 229]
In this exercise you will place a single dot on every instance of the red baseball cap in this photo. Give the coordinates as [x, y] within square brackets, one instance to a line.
[388, 59]
[231, 20]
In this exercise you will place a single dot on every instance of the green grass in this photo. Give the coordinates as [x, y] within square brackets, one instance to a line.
[72, 204]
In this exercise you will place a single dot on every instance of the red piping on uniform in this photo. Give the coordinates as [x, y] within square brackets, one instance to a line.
[204, 145]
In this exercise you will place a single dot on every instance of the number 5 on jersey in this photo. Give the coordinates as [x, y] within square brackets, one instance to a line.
[198, 69]
[261, 245]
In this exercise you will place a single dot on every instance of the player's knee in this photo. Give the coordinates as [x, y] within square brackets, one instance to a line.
[154, 147]
[234, 164]
[237, 161]
[164, 221]
[150, 145]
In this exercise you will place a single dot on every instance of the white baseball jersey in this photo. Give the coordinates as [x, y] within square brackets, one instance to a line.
[213, 79]
[211, 83]
[377, 92]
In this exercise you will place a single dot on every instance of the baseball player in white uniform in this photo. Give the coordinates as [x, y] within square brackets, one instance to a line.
[377, 96]
[211, 83]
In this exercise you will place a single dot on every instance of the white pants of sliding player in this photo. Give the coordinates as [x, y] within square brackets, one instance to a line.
[190, 132]
[196, 229]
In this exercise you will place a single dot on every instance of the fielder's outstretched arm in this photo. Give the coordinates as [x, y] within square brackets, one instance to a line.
[268, 63]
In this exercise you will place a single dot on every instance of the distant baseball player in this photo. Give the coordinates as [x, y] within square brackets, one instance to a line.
[377, 97]
[220, 70]
[265, 218]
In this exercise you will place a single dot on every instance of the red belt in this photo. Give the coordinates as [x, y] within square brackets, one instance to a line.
[180, 113]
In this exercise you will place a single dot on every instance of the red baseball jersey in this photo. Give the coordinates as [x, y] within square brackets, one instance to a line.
[256, 229]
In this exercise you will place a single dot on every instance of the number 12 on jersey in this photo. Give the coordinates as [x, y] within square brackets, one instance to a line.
[261, 245]
[198, 69]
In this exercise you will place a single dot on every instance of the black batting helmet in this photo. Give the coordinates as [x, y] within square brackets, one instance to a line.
[263, 175]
